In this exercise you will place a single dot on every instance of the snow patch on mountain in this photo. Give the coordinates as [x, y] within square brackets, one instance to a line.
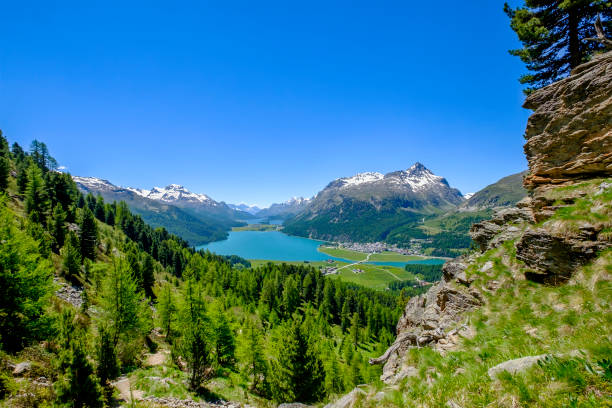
[467, 196]
[361, 178]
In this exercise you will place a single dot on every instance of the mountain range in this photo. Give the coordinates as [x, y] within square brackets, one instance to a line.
[394, 207]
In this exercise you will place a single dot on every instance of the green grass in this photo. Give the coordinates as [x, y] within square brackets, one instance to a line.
[351, 255]
[374, 276]
[343, 253]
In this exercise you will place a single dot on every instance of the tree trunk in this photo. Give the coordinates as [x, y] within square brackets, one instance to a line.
[574, 41]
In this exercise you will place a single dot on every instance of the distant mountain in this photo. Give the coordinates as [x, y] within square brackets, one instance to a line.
[195, 217]
[249, 209]
[284, 210]
[370, 206]
[505, 192]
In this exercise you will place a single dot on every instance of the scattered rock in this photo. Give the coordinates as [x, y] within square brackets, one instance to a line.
[515, 366]
[70, 293]
[294, 405]
[349, 400]
[22, 368]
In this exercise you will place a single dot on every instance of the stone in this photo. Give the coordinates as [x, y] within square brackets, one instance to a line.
[22, 368]
[294, 405]
[569, 134]
[515, 366]
[350, 400]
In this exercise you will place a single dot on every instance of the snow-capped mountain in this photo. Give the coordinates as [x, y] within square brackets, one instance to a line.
[175, 193]
[357, 207]
[250, 209]
[467, 196]
[284, 210]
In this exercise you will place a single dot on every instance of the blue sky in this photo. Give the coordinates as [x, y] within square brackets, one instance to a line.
[260, 101]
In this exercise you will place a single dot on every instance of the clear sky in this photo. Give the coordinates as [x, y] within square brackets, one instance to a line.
[260, 101]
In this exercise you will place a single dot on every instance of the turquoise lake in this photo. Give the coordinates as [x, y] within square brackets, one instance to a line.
[277, 246]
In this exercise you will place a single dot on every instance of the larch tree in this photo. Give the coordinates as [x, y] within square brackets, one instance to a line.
[554, 35]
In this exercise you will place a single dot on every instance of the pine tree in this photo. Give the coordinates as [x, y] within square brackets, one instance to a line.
[58, 227]
[148, 275]
[36, 200]
[5, 169]
[25, 284]
[4, 146]
[79, 387]
[89, 234]
[108, 365]
[166, 309]
[297, 372]
[193, 344]
[354, 331]
[252, 356]
[553, 33]
[224, 342]
[99, 209]
[291, 296]
[71, 264]
[126, 316]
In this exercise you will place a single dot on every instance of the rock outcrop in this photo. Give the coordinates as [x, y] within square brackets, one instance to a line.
[428, 318]
[569, 135]
[569, 141]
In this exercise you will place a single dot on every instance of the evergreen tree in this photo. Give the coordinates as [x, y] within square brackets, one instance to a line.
[127, 318]
[291, 296]
[22, 176]
[108, 365]
[354, 331]
[148, 275]
[99, 209]
[193, 344]
[79, 387]
[297, 372]
[36, 200]
[252, 356]
[5, 168]
[58, 227]
[166, 308]
[224, 342]
[89, 234]
[18, 153]
[4, 146]
[25, 285]
[71, 264]
[553, 33]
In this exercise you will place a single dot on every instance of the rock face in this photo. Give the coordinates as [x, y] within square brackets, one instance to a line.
[428, 317]
[515, 366]
[569, 135]
[569, 141]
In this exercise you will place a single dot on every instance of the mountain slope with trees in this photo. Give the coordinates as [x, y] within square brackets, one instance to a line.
[90, 292]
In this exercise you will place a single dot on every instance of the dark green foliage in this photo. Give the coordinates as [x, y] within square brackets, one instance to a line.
[25, 285]
[297, 372]
[22, 176]
[36, 200]
[553, 33]
[224, 342]
[4, 146]
[147, 274]
[195, 332]
[89, 234]
[99, 210]
[5, 167]
[71, 254]
[58, 227]
[108, 365]
[251, 355]
[41, 157]
[79, 387]
[428, 273]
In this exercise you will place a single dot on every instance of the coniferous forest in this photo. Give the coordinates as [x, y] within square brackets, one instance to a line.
[278, 332]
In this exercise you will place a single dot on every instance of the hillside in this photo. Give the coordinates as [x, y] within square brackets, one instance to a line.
[194, 217]
[506, 192]
[524, 320]
[97, 309]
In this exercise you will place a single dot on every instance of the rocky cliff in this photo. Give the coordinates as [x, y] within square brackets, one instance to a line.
[503, 300]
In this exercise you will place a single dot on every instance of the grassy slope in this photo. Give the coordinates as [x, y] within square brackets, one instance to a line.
[571, 322]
